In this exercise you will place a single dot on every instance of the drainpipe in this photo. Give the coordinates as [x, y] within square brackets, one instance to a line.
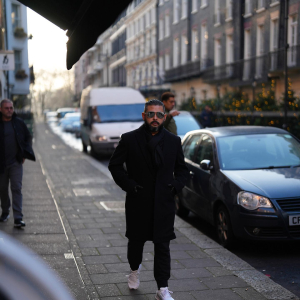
[286, 46]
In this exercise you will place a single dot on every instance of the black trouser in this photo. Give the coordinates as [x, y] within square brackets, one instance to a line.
[162, 260]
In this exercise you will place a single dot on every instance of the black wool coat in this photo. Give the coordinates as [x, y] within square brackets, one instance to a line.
[24, 141]
[150, 211]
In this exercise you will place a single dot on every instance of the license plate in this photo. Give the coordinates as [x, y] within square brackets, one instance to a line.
[294, 220]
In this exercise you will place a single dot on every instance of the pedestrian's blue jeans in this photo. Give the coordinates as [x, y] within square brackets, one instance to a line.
[13, 174]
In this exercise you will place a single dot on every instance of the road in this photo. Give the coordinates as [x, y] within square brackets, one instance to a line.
[279, 261]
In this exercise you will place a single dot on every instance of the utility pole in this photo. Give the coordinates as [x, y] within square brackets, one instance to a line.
[286, 46]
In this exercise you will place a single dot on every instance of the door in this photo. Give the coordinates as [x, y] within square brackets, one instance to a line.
[202, 178]
[189, 197]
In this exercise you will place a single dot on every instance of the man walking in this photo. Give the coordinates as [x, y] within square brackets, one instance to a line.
[155, 172]
[168, 100]
[15, 147]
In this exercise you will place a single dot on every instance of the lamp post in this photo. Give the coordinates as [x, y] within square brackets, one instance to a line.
[254, 83]
[218, 108]
[286, 46]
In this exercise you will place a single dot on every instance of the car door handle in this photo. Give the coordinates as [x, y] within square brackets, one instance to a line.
[192, 174]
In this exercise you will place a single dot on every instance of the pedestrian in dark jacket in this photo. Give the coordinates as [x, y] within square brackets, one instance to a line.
[168, 100]
[15, 147]
[155, 172]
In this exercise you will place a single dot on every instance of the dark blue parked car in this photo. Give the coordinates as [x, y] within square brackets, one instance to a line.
[245, 180]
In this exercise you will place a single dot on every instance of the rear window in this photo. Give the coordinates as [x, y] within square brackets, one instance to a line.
[118, 113]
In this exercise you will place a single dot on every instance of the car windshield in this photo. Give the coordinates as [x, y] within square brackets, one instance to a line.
[186, 123]
[258, 151]
[118, 113]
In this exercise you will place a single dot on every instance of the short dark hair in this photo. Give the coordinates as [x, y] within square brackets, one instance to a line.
[165, 96]
[6, 101]
[154, 102]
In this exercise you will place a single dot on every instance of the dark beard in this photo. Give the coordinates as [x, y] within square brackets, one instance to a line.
[153, 129]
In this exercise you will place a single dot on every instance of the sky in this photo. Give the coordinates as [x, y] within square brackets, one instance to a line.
[47, 49]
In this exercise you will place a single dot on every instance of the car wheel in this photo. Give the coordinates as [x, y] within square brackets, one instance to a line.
[224, 229]
[84, 147]
[180, 210]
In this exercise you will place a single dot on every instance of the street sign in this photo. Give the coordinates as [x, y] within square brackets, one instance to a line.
[7, 60]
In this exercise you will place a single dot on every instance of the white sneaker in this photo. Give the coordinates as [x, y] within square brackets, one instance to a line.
[133, 278]
[163, 294]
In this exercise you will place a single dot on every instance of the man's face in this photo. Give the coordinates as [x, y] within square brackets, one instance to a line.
[170, 103]
[154, 123]
[7, 110]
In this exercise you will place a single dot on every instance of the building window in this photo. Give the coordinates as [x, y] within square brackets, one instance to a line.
[161, 2]
[167, 25]
[161, 29]
[248, 7]
[229, 8]
[247, 55]
[195, 45]
[167, 61]
[175, 52]
[229, 55]
[15, 16]
[147, 16]
[204, 46]
[153, 41]
[274, 43]
[142, 24]
[292, 37]
[18, 60]
[203, 3]
[175, 11]
[274, 35]
[218, 52]
[184, 9]
[194, 6]
[260, 4]
[147, 46]
[184, 43]
[153, 15]
[217, 13]
[161, 66]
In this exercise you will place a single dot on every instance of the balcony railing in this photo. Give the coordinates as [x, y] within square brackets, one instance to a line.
[242, 72]
[190, 69]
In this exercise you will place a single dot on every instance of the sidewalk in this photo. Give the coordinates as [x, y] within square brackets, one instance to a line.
[72, 206]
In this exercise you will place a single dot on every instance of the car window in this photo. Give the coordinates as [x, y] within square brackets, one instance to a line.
[191, 146]
[257, 151]
[205, 150]
[186, 123]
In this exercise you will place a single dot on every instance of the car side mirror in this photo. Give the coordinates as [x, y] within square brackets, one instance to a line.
[206, 165]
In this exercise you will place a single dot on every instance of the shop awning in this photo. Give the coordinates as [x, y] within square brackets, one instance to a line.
[85, 20]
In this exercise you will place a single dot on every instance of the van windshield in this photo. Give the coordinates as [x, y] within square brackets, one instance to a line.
[118, 113]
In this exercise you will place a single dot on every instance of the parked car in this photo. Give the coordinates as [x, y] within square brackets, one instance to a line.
[244, 180]
[186, 122]
[68, 122]
[107, 113]
[61, 112]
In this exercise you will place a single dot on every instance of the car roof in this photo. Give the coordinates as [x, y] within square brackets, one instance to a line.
[239, 130]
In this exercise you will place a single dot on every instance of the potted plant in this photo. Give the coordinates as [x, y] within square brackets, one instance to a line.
[19, 32]
[20, 74]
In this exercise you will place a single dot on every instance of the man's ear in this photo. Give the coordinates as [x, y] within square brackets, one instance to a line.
[144, 116]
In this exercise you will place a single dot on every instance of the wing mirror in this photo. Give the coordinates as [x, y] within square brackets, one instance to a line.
[206, 165]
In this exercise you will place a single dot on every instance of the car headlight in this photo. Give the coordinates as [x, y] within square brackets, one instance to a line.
[101, 138]
[252, 201]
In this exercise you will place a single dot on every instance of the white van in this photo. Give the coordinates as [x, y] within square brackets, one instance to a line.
[107, 113]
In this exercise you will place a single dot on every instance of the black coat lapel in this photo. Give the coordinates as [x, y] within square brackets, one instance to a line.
[142, 142]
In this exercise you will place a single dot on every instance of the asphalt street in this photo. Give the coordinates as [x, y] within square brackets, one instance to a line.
[278, 261]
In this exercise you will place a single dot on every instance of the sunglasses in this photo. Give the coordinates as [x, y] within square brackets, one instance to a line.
[159, 114]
